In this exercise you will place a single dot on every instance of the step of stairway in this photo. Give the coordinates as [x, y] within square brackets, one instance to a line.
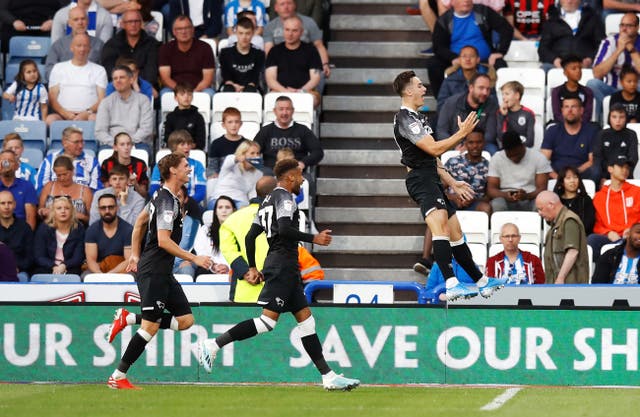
[359, 157]
[375, 215]
[370, 76]
[376, 49]
[361, 187]
[359, 130]
[373, 274]
[378, 23]
[373, 244]
[370, 103]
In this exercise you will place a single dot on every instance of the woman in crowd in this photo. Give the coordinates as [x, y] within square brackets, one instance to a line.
[208, 237]
[59, 242]
[79, 195]
[138, 178]
[239, 174]
[572, 193]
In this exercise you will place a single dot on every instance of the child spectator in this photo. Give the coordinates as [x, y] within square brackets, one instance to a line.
[612, 142]
[234, 7]
[628, 96]
[139, 85]
[138, 178]
[186, 117]
[242, 64]
[28, 93]
[572, 66]
[181, 141]
[225, 144]
[513, 116]
[13, 142]
[257, 40]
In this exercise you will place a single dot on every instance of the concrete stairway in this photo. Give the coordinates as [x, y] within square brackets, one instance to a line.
[361, 195]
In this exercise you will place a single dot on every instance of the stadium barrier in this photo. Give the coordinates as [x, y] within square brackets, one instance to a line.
[66, 342]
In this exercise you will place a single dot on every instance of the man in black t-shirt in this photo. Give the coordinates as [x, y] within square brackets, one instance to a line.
[420, 154]
[282, 292]
[294, 66]
[158, 288]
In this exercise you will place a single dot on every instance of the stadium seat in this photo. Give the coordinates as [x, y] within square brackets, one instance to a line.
[302, 104]
[302, 222]
[479, 254]
[305, 203]
[51, 278]
[529, 247]
[249, 105]
[35, 131]
[106, 278]
[138, 153]
[533, 79]
[212, 278]
[162, 153]
[536, 104]
[158, 17]
[223, 43]
[90, 146]
[608, 246]
[32, 47]
[605, 109]
[88, 129]
[183, 278]
[207, 218]
[612, 23]
[212, 44]
[248, 130]
[168, 103]
[32, 155]
[475, 225]
[528, 222]
[523, 54]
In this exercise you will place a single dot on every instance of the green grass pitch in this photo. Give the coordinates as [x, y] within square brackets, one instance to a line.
[33, 400]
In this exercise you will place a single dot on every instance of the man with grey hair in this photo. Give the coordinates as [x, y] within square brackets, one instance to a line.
[566, 259]
[125, 111]
[86, 168]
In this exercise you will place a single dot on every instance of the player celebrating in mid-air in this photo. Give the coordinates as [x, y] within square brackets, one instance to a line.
[420, 154]
[282, 292]
[158, 288]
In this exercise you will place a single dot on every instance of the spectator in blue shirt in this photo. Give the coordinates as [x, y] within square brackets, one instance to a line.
[180, 140]
[13, 142]
[22, 190]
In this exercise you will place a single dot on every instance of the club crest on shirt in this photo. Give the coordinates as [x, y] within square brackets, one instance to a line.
[629, 201]
[167, 216]
[415, 127]
[288, 205]
[521, 120]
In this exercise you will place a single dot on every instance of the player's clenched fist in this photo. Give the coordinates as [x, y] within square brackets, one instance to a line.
[323, 238]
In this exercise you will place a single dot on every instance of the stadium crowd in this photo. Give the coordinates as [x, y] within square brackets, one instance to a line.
[113, 63]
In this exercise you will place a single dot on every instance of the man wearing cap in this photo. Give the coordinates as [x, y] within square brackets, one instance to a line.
[617, 206]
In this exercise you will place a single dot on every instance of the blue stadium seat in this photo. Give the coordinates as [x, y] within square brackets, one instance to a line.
[33, 155]
[33, 47]
[52, 278]
[28, 130]
[88, 129]
[8, 109]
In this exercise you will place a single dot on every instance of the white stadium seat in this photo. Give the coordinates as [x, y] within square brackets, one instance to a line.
[528, 222]
[302, 103]
[533, 79]
[523, 54]
[211, 278]
[249, 105]
[475, 225]
[104, 278]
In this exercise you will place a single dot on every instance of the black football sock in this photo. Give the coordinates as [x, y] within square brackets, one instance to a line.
[463, 256]
[313, 348]
[241, 331]
[442, 255]
[134, 350]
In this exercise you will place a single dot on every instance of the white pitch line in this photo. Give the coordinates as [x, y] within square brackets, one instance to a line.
[501, 399]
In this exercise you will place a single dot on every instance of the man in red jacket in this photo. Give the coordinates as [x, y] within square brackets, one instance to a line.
[517, 266]
[617, 206]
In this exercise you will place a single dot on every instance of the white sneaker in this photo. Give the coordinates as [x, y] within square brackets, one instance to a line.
[339, 383]
[206, 357]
